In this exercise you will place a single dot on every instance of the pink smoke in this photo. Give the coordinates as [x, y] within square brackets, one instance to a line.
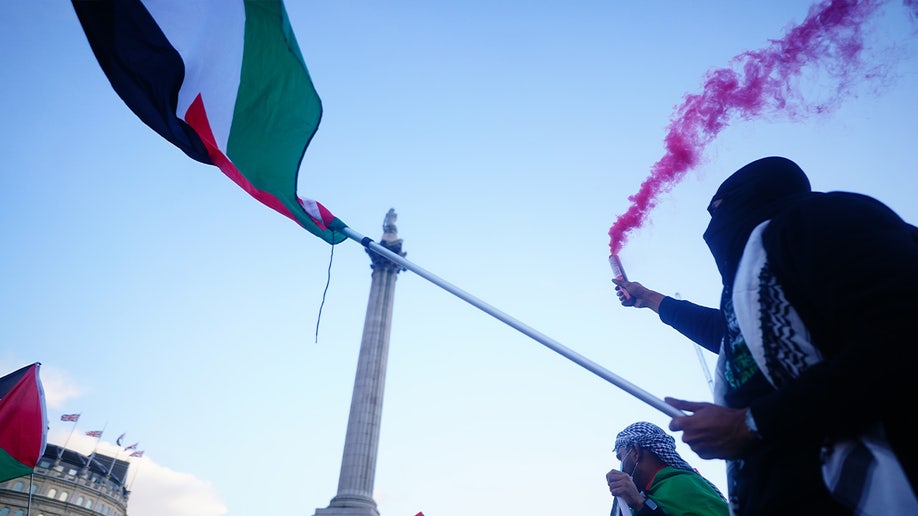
[912, 6]
[756, 82]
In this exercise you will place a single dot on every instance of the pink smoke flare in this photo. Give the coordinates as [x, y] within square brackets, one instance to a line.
[757, 82]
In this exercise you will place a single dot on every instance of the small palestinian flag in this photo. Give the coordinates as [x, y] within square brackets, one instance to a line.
[23, 422]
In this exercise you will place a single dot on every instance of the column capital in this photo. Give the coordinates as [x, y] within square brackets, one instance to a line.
[390, 241]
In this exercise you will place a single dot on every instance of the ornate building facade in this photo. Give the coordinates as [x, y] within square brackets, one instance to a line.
[66, 483]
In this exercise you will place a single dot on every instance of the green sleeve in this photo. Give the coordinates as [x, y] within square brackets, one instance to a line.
[684, 493]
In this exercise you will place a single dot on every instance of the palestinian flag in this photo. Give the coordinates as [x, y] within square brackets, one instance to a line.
[225, 82]
[23, 422]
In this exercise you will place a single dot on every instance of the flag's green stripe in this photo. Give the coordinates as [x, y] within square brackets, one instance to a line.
[274, 82]
[11, 468]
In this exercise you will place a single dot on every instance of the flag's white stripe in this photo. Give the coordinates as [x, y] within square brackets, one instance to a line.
[210, 36]
[312, 208]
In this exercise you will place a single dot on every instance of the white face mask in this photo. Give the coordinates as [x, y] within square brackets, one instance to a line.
[632, 469]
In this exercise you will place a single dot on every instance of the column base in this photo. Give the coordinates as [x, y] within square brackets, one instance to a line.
[349, 506]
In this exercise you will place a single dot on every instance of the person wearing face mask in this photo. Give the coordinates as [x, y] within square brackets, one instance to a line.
[816, 345]
[655, 480]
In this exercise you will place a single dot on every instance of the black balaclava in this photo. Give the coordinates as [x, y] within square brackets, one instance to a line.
[752, 195]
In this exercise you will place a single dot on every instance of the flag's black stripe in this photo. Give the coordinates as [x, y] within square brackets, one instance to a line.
[142, 66]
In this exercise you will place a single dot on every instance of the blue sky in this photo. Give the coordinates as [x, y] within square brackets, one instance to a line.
[165, 303]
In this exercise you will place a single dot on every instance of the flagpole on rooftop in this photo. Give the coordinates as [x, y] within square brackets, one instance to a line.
[31, 482]
[137, 470]
[92, 455]
[60, 451]
[112, 467]
[550, 343]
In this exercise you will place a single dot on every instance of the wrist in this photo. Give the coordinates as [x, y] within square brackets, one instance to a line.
[646, 506]
[654, 299]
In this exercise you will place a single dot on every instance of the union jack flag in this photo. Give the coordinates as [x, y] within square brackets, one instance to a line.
[132, 447]
[70, 417]
[94, 433]
[137, 454]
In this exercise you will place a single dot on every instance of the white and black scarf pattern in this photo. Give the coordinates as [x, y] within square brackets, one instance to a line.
[654, 439]
[861, 473]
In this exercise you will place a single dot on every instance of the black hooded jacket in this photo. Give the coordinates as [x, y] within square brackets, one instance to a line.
[849, 266]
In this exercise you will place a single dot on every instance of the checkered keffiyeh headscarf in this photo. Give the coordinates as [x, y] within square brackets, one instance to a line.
[651, 437]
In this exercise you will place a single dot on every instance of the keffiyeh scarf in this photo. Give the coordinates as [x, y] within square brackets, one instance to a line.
[654, 439]
[861, 473]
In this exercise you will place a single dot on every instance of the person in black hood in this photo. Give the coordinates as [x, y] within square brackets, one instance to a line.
[816, 344]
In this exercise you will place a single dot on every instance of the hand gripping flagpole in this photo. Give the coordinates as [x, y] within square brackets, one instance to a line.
[552, 344]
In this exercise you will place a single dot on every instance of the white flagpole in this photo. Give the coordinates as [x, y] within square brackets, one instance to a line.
[92, 455]
[580, 360]
[29, 507]
[112, 467]
[620, 508]
[704, 365]
[135, 473]
[704, 368]
[60, 451]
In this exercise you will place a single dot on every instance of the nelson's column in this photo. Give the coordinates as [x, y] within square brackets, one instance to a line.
[358, 463]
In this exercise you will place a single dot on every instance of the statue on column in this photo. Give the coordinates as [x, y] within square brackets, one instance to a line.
[390, 231]
[390, 241]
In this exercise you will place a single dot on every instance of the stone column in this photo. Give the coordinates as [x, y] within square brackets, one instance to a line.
[361, 443]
